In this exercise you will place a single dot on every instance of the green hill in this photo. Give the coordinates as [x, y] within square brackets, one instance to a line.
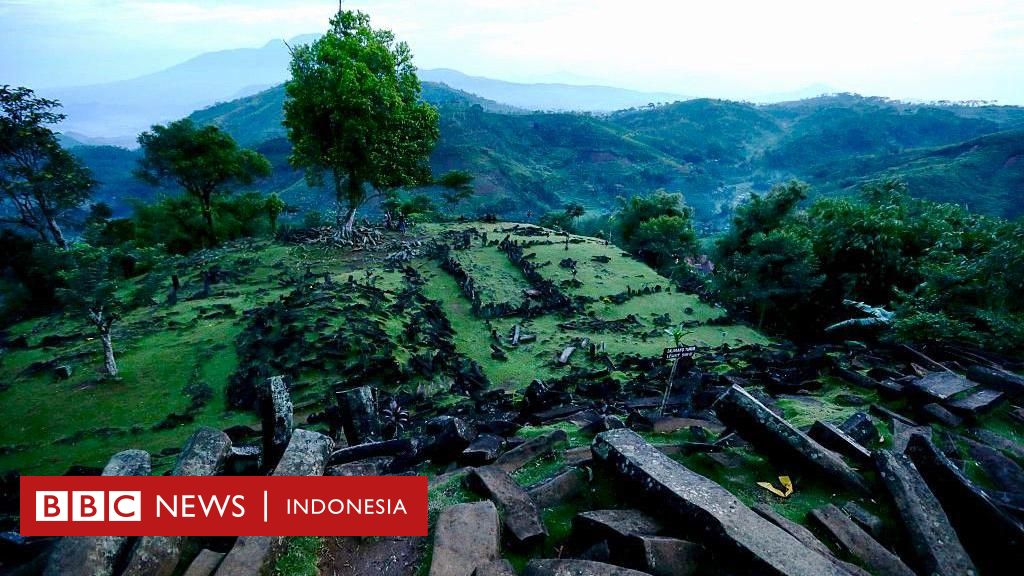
[401, 326]
[716, 152]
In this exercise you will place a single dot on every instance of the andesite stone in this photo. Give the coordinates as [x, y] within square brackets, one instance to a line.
[992, 537]
[861, 428]
[517, 457]
[97, 555]
[552, 567]
[204, 454]
[558, 488]
[835, 439]
[857, 543]
[465, 536]
[704, 512]
[205, 563]
[483, 450]
[762, 428]
[1012, 384]
[306, 455]
[277, 414]
[520, 516]
[932, 537]
[359, 419]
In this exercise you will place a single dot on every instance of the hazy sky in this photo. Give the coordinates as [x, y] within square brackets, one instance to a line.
[954, 49]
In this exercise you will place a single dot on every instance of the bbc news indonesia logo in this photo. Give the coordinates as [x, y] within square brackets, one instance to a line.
[224, 506]
[88, 506]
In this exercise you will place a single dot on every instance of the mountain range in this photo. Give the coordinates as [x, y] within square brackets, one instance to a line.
[116, 112]
[716, 152]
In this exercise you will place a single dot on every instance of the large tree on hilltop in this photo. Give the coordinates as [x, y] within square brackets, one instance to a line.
[202, 160]
[39, 180]
[354, 114]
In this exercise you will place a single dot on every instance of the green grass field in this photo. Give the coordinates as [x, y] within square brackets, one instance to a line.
[166, 353]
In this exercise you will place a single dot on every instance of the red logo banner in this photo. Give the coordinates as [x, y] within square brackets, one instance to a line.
[224, 506]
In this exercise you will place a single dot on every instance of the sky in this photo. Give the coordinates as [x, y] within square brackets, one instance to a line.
[919, 50]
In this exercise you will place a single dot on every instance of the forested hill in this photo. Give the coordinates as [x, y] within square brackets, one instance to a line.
[715, 152]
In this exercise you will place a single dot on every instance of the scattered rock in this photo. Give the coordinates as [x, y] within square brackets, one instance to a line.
[496, 568]
[1002, 443]
[204, 454]
[758, 425]
[861, 428]
[376, 466]
[1004, 473]
[854, 541]
[205, 563]
[277, 414]
[1012, 384]
[707, 513]
[869, 522]
[359, 415]
[559, 488]
[392, 448]
[933, 539]
[465, 536]
[483, 450]
[660, 556]
[796, 530]
[97, 555]
[306, 455]
[977, 403]
[942, 385]
[994, 538]
[901, 434]
[613, 525]
[517, 457]
[936, 413]
[550, 567]
[449, 436]
[836, 440]
[520, 517]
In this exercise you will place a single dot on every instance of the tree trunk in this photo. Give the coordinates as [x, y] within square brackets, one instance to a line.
[55, 231]
[208, 217]
[109, 364]
[348, 227]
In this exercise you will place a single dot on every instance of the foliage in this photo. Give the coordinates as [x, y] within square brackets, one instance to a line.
[353, 112]
[657, 228]
[949, 274]
[40, 182]
[203, 161]
[456, 186]
[30, 276]
[173, 223]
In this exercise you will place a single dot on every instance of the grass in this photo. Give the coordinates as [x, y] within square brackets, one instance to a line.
[301, 557]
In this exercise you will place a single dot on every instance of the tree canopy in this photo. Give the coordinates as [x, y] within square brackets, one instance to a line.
[657, 228]
[354, 114]
[203, 161]
[39, 180]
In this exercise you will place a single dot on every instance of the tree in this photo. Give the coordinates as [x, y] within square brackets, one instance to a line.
[39, 180]
[657, 228]
[203, 161]
[274, 206]
[92, 292]
[774, 277]
[456, 186]
[354, 114]
[761, 215]
[574, 211]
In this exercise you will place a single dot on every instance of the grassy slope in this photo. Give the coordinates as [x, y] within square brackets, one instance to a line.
[163, 350]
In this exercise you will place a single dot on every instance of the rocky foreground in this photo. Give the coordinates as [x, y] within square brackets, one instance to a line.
[914, 446]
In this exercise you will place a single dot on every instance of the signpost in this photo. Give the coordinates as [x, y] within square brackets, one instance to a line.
[678, 352]
[675, 354]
